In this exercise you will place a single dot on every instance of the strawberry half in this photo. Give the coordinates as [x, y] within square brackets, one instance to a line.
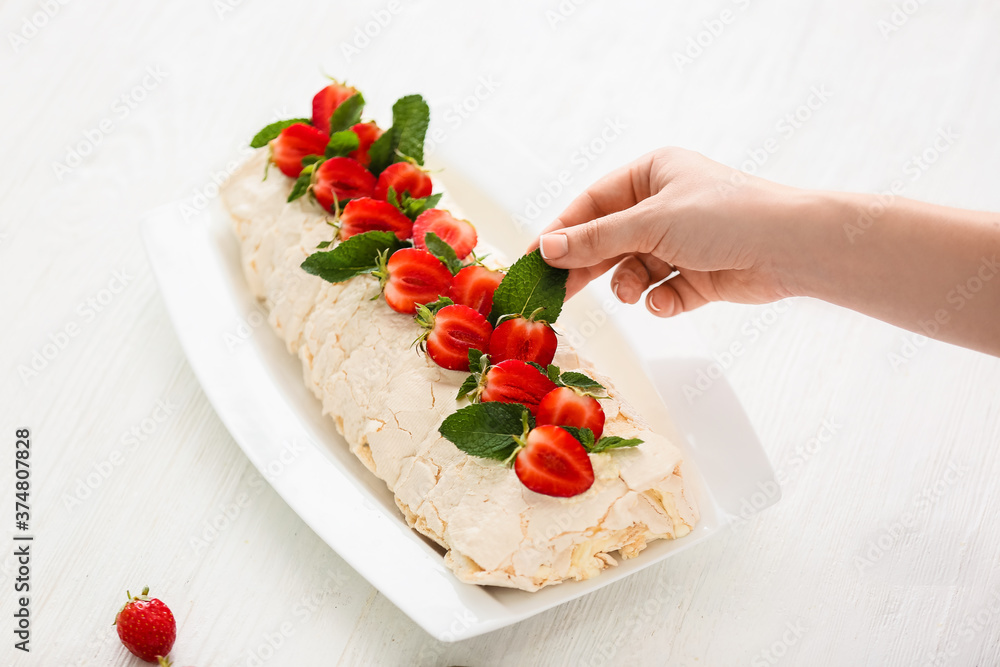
[522, 338]
[367, 214]
[474, 287]
[451, 332]
[326, 101]
[367, 134]
[514, 381]
[411, 277]
[554, 463]
[566, 407]
[459, 234]
[146, 627]
[339, 179]
[294, 143]
[403, 177]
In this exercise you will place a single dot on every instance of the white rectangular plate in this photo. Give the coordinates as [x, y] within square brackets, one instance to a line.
[257, 389]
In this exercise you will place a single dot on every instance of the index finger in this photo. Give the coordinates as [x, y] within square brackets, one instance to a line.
[621, 189]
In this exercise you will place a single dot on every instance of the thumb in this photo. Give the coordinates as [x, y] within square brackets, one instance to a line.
[592, 242]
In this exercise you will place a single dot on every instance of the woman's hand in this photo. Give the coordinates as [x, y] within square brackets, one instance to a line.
[723, 231]
[733, 237]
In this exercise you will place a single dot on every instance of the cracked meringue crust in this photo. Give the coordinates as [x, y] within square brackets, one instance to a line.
[388, 401]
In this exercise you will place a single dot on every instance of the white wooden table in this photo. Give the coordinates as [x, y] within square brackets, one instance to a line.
[885, 548]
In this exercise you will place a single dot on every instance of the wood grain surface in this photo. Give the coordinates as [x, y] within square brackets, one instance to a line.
[886, 546]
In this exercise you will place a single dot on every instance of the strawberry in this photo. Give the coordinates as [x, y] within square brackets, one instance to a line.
[326, 102]
[294, 143]
[403, 177]
[367, 134]
[523, 338]
[554, 463]
[339, 179]
[474, 287]
[459, 234]
[451, 332]
[565, 406]
[413, 276]
[367, 214]
[146, 626]
[514, 381]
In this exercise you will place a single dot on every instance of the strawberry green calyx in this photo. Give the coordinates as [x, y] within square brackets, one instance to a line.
[143, 597]
[522, 440]
[425, 318]
[474, 385]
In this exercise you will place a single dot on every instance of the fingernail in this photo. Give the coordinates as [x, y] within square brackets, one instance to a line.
[652, 305]
[614, 288]
[553, 246]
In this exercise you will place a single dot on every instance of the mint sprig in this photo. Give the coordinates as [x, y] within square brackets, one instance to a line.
[440, 249]
[410, 118]
[303, 182]
[582, 382]
[341, 143]
[488, 430]
[347, 114]
[381, 153]
[412, 207]
[271, 132]
[357, 255]
[612, 442]
[530, 285]
[405, 139]
[586, 438]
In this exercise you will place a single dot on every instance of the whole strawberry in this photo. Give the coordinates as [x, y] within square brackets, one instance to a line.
[146, 626]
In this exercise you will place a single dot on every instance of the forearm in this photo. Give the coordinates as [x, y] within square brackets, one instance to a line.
[930, 269]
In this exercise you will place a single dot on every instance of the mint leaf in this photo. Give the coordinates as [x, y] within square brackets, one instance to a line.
[302, 183]
[612, 442]
[324, 244]
[347, 114]
[341, 143]
[358, 254]
[412, 208]
[486, 430]
[440, 249]
[271, 132]
[580, 381]
[439, 303]
[410, 118]
[381, 153]
[584, 435]
[479, 361]
[469, 385]
[553, 373]
[530, 284]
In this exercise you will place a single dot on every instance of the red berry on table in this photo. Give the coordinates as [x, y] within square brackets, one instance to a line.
[339, 179]
[474, 287]
[403, 177]
[413, 276]
[326, 101]
[146, 627]
[367, 134]
[566, 407]
[367, 214]
[525, 339]
[554, 463]
[451, 332]
[294, 143]
[514, 381]
[459, 234]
